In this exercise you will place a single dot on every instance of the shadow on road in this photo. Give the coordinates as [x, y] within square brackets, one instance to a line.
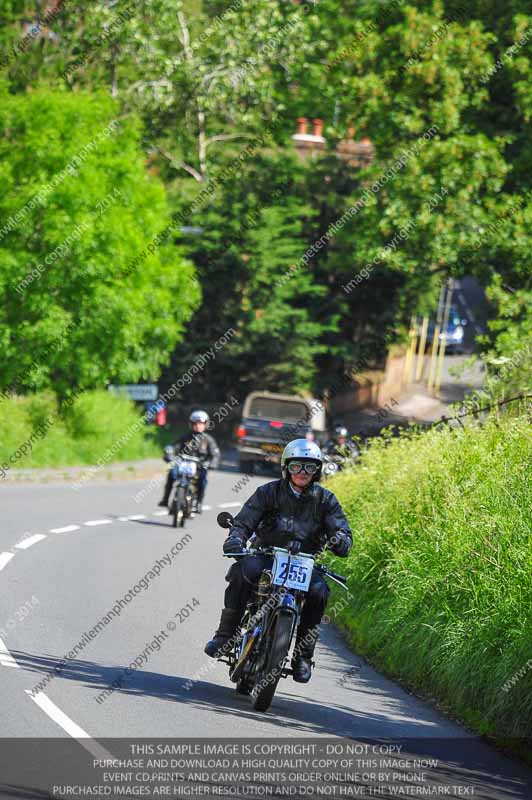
[297, 716]
[492, 776]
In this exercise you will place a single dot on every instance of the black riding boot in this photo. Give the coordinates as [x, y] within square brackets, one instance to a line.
[229, 622]
[303, 653]
[167, 490]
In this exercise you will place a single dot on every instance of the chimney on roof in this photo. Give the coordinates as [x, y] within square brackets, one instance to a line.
[309, 144]
[317, 127]
[355, 153]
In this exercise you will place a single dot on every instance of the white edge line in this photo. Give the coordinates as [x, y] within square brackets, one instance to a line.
[68, 725]
[6, 659]
[93, 522]
[25, 543]
[66, 529]
[5, 558]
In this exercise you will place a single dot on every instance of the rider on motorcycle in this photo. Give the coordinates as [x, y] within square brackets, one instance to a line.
[202, 446]
[341, 447]
[293, 509]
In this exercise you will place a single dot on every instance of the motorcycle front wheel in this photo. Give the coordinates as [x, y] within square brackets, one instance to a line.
[267, 679]
[179, 508]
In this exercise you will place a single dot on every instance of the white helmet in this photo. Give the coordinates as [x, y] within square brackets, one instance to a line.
[198, 416]
[304, 450]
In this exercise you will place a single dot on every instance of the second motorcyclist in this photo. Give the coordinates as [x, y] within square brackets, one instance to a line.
[293, 509]
[341, 448]
[200, 444]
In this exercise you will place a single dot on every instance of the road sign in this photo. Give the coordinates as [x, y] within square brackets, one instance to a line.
[193, 229]
[135, 391]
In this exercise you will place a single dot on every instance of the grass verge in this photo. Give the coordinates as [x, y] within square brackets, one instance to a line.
[98, 426]
[441, 569]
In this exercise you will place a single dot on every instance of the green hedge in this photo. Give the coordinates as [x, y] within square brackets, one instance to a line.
[95, 425]
[441, 568]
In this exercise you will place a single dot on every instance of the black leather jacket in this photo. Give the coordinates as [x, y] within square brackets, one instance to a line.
[277, 516]
[201, 445]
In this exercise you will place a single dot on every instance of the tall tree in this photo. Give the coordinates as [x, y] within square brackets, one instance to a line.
[87, 294]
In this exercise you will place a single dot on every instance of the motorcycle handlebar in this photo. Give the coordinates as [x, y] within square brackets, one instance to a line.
[335, 576]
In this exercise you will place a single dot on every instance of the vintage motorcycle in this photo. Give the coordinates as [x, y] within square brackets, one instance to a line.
[185, 490]
[257, 656]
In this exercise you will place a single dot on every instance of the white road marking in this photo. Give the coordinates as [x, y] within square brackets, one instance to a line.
[207, 508]
[133, 517]
[6, 659]
[93, 522]
[162, 513]
[5, 558]
[68, 725]
[66, 529]
[228, 505]
[25, 543]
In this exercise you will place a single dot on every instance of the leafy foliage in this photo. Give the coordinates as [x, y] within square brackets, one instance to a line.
[209, 79]
[69, 318]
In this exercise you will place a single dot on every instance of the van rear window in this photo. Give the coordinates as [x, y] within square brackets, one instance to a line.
[282, 410]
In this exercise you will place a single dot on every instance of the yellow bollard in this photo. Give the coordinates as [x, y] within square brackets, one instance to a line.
[410, 352]
[433, 357]
[421, 350]
[441, 354]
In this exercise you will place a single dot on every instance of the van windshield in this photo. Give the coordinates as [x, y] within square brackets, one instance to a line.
[282, 410]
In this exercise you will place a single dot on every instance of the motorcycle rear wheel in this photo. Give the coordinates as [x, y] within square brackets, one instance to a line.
[268, 678]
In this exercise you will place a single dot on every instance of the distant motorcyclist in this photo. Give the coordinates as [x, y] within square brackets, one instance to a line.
[293, 509]
[341, 447]
[200, 444]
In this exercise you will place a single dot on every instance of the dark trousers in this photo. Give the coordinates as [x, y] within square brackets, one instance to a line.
[244, 574]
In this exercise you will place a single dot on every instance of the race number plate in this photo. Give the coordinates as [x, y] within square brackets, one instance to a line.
[297, 576]
[187, 468]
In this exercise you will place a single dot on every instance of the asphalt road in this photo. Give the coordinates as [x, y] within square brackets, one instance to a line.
[90, 555]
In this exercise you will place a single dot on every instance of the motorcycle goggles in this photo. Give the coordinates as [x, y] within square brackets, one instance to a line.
[297, 467]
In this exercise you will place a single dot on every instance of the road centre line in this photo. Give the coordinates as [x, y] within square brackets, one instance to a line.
[93, 522]
[162, 513]
[25, 543]
[5, 558]
[6, 659]
[229, 505]
[68, 725]
[66, 529]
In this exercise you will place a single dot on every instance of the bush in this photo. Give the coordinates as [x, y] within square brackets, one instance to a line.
[440, 568]
[97, 425]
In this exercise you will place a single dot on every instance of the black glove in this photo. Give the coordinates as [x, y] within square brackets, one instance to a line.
[340, 544]
[234, 544]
